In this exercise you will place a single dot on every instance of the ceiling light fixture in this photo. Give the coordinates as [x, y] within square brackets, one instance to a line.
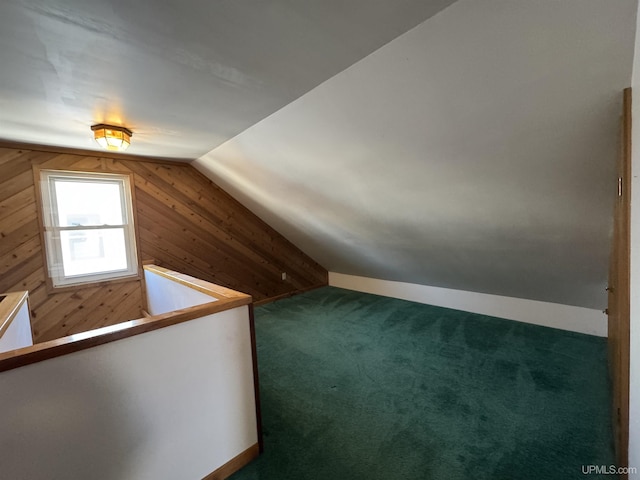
[111, 137]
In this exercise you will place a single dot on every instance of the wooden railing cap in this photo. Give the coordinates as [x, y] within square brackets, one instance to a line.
[9, 308]
[223, 299]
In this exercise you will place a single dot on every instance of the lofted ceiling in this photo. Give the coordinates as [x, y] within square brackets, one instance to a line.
[475, 152]
[468, 145]
[185, 76]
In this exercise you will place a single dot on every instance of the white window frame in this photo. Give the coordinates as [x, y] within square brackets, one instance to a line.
[52, 228]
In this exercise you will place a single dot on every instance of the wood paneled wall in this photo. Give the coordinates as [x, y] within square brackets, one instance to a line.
[184, 221]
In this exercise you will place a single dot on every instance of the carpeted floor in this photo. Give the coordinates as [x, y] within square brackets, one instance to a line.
[357, 386]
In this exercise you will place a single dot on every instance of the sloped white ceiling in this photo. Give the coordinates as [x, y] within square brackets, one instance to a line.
[475, 152]
[184, 75]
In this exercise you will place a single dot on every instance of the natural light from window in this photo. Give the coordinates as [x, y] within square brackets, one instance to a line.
[88, 226]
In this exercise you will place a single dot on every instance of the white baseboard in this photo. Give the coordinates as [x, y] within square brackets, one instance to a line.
[554, 315]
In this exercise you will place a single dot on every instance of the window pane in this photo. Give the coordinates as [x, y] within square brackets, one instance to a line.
[88, 203]
[93, 251]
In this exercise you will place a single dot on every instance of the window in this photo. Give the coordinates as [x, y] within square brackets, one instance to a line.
[88, 222]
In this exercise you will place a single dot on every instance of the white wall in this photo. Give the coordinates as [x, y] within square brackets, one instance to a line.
[634, 375]
[174, 403]
[475, 152]
[165, 295]
[18, 334]
[565, 317]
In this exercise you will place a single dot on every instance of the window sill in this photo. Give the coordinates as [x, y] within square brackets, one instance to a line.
[101, 283]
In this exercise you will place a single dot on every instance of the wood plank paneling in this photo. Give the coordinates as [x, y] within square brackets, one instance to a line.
[13, 184]
[185, 223]
[20, 235]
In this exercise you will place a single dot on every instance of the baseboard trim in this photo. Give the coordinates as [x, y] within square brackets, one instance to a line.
[235, 464]
[554, 315]
[288, 294]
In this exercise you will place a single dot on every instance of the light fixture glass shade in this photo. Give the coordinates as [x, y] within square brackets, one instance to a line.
[111, 137]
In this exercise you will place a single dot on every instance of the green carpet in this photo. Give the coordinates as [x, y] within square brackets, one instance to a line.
[357, 386]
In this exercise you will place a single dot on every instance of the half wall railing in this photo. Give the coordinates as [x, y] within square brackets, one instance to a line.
[172, 395]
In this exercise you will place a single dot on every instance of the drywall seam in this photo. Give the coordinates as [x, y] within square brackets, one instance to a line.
[554, 315]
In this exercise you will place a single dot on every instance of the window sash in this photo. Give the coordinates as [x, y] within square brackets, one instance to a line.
[87, 227]
[51, 204]
[53, 229]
